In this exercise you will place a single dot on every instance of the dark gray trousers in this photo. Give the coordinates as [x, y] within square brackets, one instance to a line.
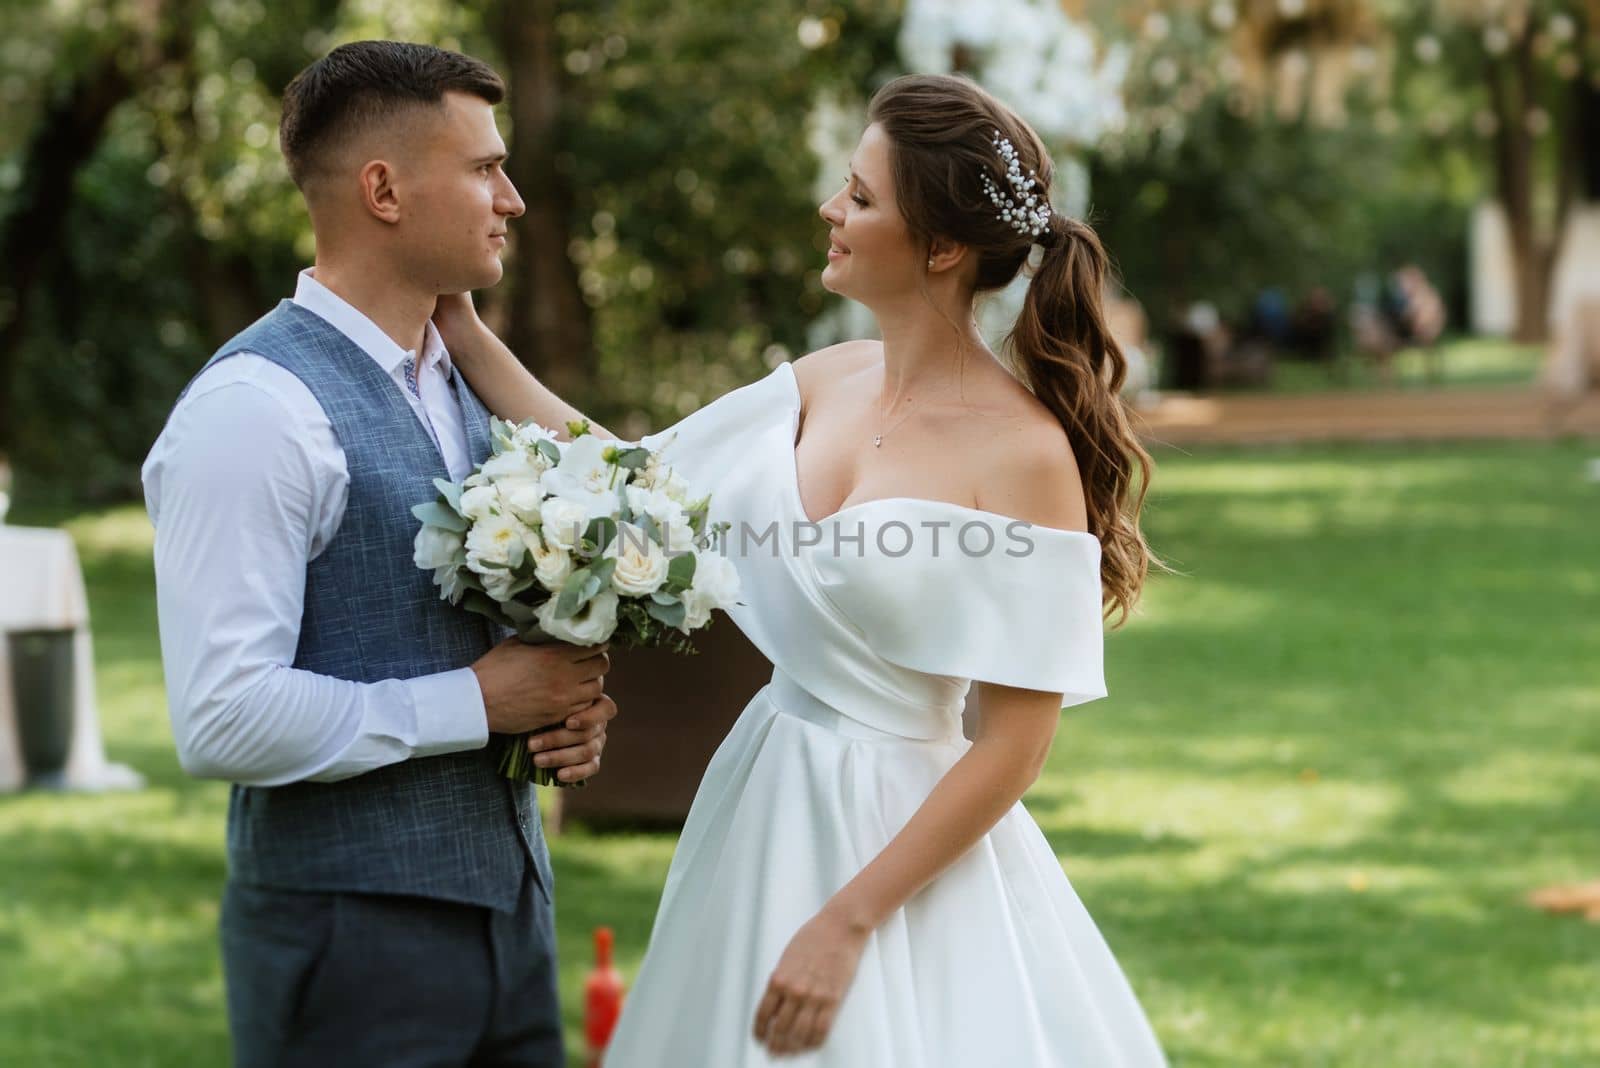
[340, 980]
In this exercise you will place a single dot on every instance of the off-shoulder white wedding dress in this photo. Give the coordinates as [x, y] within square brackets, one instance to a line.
[996, 963]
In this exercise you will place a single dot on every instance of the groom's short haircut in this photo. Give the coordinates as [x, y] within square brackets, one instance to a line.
[361, 85]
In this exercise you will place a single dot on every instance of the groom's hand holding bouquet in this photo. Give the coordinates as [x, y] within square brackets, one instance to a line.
[586, 542]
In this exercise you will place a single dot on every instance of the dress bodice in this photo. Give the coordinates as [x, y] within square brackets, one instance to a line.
[889, 609]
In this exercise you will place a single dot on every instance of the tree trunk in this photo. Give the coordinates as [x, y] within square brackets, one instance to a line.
[66, 137]
[547, 321]
[1534, 249]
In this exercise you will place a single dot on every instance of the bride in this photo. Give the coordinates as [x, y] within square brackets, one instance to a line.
[856, 882]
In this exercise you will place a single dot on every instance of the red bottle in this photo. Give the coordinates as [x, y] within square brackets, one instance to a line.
[602, 999]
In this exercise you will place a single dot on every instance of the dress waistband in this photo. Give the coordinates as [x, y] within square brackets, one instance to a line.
[887, 724]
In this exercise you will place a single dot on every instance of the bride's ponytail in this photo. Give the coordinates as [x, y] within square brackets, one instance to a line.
[1064, 352]
[969, 169]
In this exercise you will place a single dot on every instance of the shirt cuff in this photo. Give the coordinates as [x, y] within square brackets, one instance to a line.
[450, 713]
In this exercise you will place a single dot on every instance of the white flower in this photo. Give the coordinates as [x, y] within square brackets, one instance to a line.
[435, 547]
[495, 540]
[497, 584]
[655, 504]
[452, 584]
[678, 537]
[593, 624]
[716, 585]
[513, 465]
[641, 565]
[525, 499]
[673, 486]
[477, 502]
[584, 476]
[563, 522]
[645, 477]
[529, 434]
[552, 565]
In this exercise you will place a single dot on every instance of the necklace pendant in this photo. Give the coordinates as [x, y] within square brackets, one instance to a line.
[877, 440]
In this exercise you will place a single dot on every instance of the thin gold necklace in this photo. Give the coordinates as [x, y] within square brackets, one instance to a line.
[877, 439]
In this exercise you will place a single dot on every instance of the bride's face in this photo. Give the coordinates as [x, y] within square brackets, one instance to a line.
[871, 255]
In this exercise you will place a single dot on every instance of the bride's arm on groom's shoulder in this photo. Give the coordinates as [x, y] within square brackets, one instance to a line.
[1015, 731]
[508, 388]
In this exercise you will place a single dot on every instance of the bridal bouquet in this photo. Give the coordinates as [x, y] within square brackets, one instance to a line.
[583, 542]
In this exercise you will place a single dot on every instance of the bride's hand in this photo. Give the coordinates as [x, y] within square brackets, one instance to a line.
[457, 321]
[810, 982]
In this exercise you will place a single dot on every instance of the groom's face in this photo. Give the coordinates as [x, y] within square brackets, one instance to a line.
[459, 200]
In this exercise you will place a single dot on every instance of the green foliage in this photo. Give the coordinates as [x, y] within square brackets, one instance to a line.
[1241, 203]
[693, 222]
[694, 228]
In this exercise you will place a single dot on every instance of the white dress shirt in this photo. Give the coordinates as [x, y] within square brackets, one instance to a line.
[245, 486]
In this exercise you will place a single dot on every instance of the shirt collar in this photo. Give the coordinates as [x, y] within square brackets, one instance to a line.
[344, 317]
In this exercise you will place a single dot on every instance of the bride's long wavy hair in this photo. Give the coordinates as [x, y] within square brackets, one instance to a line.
[941, 133]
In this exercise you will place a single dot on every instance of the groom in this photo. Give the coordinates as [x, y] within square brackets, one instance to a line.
[389, 894]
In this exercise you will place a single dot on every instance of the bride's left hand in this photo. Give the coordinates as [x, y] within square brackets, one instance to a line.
[456, 319]
[810, 982]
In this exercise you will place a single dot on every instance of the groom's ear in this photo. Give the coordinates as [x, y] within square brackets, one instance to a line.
[378, 193]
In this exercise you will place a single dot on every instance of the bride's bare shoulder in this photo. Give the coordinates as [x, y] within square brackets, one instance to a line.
[815, 369]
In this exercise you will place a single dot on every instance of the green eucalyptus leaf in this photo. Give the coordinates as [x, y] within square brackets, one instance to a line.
[601, 532]
[680, 572]
[634, 459]
[671, 615]
[450, 492]
[435, 514]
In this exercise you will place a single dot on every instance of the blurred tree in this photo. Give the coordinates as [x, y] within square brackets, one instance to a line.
[546, 320]
[106, 63]
[676, 247]
[1522, 67]
[1496, 81]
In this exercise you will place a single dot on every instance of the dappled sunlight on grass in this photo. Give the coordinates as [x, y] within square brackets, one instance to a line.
[1339, 750]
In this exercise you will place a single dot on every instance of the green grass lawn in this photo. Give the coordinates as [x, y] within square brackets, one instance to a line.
[1454, 362]
[1340, 747]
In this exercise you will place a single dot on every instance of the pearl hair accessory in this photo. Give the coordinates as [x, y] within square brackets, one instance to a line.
[1027, 213]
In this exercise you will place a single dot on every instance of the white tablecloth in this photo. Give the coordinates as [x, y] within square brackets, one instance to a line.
[41, 587]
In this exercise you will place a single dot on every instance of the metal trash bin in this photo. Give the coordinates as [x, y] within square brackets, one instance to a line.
[42, 687]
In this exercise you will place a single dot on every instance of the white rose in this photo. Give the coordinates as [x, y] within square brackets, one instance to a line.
[641, 565]
[678, 537]
[552, 565]
[477, 502]
[496, 539]
[435, 547]
[593, 624]
[525, 499]
[563, 522]
[716, 585]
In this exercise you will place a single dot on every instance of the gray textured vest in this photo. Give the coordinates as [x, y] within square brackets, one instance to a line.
[444, 827]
